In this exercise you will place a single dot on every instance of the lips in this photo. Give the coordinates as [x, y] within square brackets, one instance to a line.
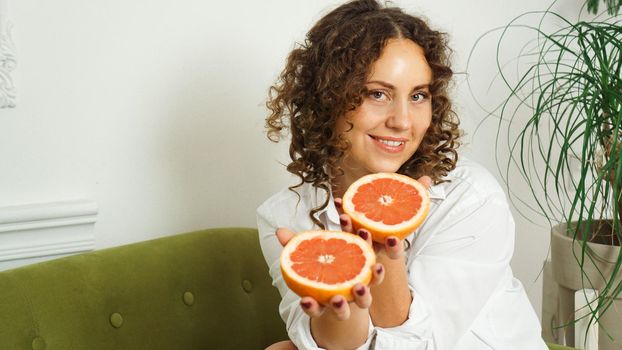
[389, 144]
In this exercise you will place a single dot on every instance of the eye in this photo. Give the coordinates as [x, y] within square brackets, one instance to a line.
[378, 95]
[420, 96]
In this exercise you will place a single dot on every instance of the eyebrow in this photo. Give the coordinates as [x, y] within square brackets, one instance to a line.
[390, 86]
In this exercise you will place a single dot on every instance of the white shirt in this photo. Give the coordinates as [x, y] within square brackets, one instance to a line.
[464, 294]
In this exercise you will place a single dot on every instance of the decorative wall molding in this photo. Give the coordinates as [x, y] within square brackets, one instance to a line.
[8, 60]
[45, 229]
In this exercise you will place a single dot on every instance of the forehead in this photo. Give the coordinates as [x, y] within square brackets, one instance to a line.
[402, 59]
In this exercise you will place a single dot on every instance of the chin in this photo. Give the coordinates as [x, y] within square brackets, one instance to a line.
[384, 164]
[386, 168]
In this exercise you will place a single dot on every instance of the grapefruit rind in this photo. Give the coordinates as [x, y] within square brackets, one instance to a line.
[378, 230]
[323, 292]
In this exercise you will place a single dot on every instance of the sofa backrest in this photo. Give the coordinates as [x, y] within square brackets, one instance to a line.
[202, 290]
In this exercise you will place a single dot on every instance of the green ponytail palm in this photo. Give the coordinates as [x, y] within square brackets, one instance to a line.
[613, 6]
[566, 103]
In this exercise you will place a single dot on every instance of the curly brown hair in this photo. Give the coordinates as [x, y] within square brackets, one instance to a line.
[325, 77]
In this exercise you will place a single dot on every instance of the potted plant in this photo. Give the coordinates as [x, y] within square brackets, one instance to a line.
[565, 99]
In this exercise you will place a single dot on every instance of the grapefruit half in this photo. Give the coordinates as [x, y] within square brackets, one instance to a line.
[321, 264]
[386, 204]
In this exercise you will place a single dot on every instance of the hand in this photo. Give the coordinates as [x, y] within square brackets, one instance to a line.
[338, 306]
[393, 246]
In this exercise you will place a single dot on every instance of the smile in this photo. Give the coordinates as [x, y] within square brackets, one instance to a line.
[391, 145]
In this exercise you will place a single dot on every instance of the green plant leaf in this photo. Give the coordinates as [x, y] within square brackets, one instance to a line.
[563, 121]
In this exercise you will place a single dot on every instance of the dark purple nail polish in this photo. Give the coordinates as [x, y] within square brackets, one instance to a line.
[392, 242]
[337, 205]
[343, 222]
[338, 304]
[379, 270]
[363, 234]
[306, 305]
[360, 291]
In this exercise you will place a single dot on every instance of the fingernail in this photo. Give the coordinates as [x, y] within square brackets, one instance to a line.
[392, 242]
[360, 291]
[338, 304]
[363, 234]
[337, 205]
[306, 304]
[379, 270]
[343, 222]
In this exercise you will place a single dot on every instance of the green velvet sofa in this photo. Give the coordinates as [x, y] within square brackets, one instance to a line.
[201, 290]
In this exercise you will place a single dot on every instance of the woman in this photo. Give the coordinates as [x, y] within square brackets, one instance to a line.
[367, 92]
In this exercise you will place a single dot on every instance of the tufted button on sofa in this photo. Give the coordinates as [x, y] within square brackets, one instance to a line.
[202, 290]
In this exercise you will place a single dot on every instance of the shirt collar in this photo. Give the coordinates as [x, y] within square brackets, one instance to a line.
[318, 196]
[437, 191]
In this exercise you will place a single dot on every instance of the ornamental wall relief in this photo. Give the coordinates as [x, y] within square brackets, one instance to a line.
[8, 61]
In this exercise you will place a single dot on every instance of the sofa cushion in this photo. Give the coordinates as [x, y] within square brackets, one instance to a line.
[203, 290]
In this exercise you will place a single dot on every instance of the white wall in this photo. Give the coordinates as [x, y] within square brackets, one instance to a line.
[154, 109]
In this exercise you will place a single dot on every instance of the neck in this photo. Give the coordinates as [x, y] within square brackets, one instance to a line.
[340, 184]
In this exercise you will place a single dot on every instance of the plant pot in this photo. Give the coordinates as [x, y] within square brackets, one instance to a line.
[564, 277]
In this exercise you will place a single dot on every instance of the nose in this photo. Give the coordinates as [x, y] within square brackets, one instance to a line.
[400, 115]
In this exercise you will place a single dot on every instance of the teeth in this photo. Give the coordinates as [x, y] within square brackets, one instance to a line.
[391, 143]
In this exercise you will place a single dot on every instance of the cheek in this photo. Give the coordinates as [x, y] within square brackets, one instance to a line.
[367, 116]
[426, 126]
[428, 120]
[422, 127]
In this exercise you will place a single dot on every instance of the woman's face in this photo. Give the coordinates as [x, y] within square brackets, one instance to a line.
[389, 125]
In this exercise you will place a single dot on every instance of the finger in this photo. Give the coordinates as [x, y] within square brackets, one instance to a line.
[311, 307]
[338, 204]
[284, 235]
[364, 234]
[425, 181]
[394, 247]
[346, 223]
[339, 306]
[377, 274]
[362, 296]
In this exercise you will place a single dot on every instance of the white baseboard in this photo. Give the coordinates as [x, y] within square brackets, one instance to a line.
[47, 229]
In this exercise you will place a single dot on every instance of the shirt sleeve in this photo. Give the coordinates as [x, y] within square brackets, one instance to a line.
[415, 333]
[461, 270]
[296, 321]
[464, 294]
